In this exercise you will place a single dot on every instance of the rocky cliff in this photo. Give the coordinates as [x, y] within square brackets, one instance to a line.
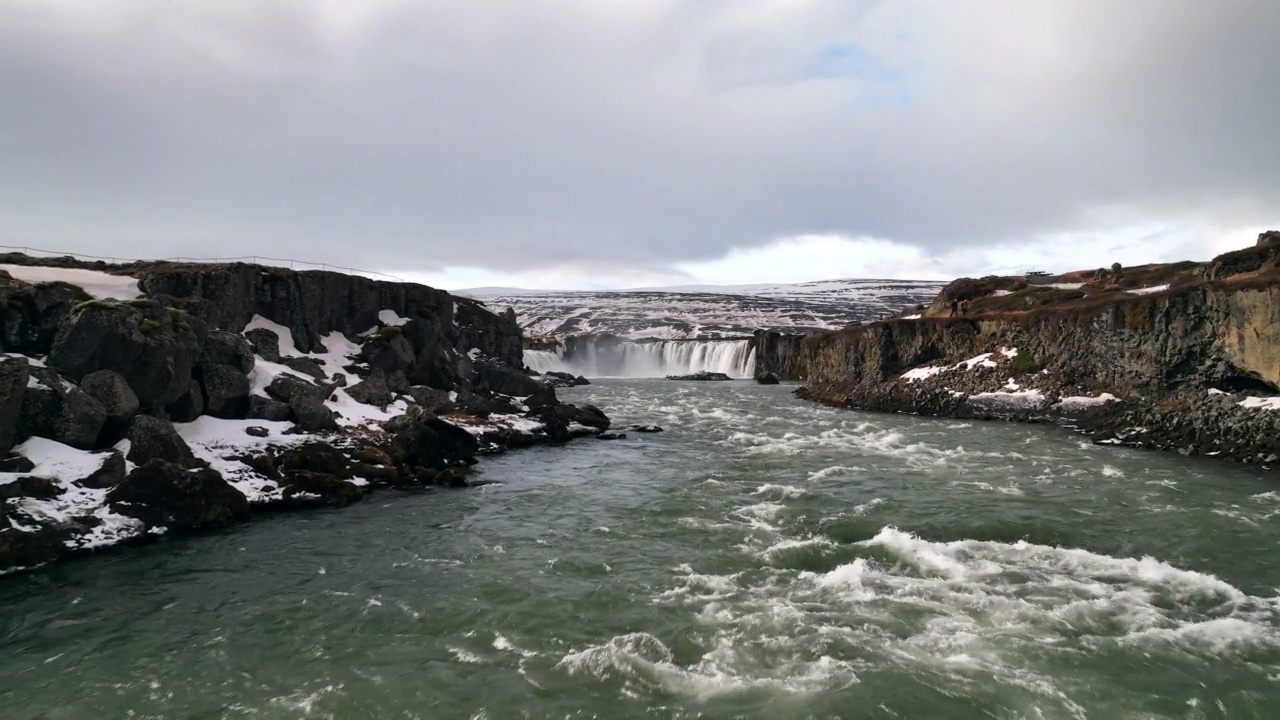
[1191, 364]
[150, 398]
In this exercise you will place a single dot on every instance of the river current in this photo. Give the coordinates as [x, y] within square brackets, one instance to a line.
[762, 558]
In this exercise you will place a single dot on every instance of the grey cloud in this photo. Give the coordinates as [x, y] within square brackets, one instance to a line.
[414, 135]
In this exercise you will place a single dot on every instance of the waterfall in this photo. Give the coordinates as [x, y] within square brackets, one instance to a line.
[621, 358]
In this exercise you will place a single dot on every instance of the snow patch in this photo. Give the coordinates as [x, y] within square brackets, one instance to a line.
[1149, 290]
[287, 347]
[392, 319]
[1082, 401]
[923, 373]
[218, 442]
[99, 285]
[1261, 403]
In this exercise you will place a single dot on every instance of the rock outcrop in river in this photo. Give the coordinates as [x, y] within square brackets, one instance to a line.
[1183, 357]
[153, 398]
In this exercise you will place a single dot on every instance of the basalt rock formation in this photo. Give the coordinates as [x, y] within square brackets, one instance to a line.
[1183, 357]
[196, 395]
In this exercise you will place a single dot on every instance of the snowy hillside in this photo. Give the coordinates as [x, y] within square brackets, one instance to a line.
[707, 311]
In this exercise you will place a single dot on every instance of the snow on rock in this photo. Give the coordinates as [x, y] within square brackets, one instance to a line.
[1084, 401]
[352, 413]
[287, 346]
[218, 442]
[1149, 290]
[391, 318]
[1261, 403]
[1027, 398]
[1065, 286]
[264, 372]
[924, 373]
[65, 465]
[99, 285]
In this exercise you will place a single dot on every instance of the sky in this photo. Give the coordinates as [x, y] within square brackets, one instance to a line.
[589, 144]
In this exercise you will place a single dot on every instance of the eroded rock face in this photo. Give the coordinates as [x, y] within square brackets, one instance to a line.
[153, 347]
[13, 387]
[30, 315]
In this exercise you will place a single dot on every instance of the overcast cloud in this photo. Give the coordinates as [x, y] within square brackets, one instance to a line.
[630, 142]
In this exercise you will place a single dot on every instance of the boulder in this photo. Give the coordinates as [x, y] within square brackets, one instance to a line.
[305, 487]
[110, 474]
[151, 438]
[118, 400]
[30, 315]
[311, 415]
[611, 436]
[55, 409]
[226, 391]
[430, 399]
[228, 348]
[645, 428]
[305, 365]
[316, 457]
[265, 343]
[164, 494]
[30, 486]
[261, 408]
[24, 549]
[372, 390]
[419, 439]
[257, 431]
[153, 347]
[13, 388]
[767, 378]
[189, 406]
[388, 350]
[287, 387]
[504, 380]
[398, 382]
[16, 464]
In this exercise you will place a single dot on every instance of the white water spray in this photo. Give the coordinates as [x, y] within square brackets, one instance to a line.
[735, 358]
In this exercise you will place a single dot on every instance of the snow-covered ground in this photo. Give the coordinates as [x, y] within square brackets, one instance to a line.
[99, 285]
[707, 311]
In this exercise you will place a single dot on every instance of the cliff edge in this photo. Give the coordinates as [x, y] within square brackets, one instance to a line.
[144, 399]
[1183, 357]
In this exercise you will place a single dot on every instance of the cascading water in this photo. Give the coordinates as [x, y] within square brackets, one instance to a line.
[621, 358]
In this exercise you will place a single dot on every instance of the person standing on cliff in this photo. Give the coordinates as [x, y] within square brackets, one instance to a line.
[955, 306]
[964, 308]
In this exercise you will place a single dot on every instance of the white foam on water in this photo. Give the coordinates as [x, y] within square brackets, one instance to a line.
[780, 491]
[642, 662]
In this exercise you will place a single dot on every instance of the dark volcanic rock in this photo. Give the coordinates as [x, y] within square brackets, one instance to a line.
[504, 380]
[422, 440]
[563, 379]
[767, 378]
[286, 388]
[388, 350]
[228, 348]
[16, 464]
[261, 408]
[30, 486]
[701, 376]
[13, 387]
[265, 343]
[257, 431]
[151, 438]
[152, 346]
[611, 436]
[118, 400]
[55, 409]
[189, 406]
[311, 415]
[430, 399]
[372, 390]
[226, 391]
[305, 365]
[305, 487]
[164, 494]
[109, 474]
[30, 315]
[645, 428]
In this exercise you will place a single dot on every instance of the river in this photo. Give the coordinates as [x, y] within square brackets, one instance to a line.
[762, 558]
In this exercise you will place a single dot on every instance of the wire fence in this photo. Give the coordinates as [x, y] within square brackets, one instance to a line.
[255, 259]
